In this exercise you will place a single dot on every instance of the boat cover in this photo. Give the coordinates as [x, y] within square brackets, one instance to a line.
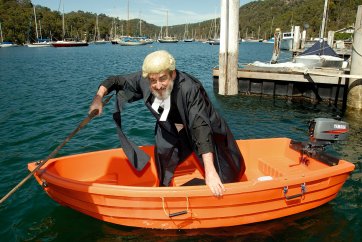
[320, 48]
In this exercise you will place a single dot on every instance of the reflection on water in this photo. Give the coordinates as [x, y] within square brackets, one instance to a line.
[306, 226]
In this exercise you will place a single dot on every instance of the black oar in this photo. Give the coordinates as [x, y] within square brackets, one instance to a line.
[52, 155]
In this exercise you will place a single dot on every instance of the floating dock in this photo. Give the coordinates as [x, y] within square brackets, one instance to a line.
[316, 85]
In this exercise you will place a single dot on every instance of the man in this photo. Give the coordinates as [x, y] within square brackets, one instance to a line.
[186, 120]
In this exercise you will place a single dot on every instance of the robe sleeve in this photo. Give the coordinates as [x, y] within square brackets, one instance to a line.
[202, 136]
[199, 119]
[127, 86]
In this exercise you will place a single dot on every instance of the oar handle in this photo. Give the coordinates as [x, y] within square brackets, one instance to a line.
[84, 122]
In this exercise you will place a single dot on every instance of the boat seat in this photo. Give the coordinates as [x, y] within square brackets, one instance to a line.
[189, 170]
[280, 166]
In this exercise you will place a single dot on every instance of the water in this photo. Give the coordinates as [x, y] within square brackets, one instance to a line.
[46, 92]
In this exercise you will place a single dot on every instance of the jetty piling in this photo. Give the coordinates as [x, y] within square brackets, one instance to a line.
[296, 38]
[276, 48]
[354, 97]
[330, 40]
[229, 47]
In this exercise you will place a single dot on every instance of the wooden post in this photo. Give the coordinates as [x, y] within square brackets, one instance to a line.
[233, 47]
[331, 38]
[223, 63]
[354, 97]
[276, 48]
[229, 46]
[304, 37]
[296, 38]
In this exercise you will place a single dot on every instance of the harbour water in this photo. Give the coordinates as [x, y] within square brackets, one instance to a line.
[46, 92]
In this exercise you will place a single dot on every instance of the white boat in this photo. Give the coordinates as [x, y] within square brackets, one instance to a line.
[189, 40]
[130, 41]
[186, 35]
[317, 61]
[7, 43]
[287, 41]
[321, 54]
[167, 39]
[70, 42]
[97, 35]
[40, 42]
[214, 42]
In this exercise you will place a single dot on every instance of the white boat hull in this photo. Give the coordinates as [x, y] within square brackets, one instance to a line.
[316, 61]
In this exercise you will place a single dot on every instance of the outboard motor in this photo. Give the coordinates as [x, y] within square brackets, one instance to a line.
[322, 132]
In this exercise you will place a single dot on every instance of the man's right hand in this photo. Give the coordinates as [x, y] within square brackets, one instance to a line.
[97, 100]
[96, 104]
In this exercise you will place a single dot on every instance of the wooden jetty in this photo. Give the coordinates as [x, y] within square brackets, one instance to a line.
[315, 85]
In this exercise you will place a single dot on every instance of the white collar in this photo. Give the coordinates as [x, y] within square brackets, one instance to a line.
[166, 104]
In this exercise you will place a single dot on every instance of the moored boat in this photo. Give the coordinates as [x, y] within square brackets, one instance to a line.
[7, 44]
[168, 39]
[69, 43]
[287, 41]
[40, 43]
[320, 55]
[130, 41]
[279, 181]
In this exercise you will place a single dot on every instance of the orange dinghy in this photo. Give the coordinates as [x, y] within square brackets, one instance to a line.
[279, 181]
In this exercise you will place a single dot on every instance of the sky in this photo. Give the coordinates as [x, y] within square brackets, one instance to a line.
[152, 11]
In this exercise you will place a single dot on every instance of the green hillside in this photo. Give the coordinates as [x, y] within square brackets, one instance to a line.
[16, 17]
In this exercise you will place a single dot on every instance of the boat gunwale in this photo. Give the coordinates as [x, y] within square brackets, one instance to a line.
[199, 190]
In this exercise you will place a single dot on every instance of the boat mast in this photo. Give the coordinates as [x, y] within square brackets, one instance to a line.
[41, 36]
[1, 34]
[36, 25]
[321, 35]
[128, 32]
[97, 35]
[63, 23]
[140, 25]
[166, 23]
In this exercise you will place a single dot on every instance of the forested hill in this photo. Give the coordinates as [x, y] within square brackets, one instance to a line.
[17, 20]
[303, 13]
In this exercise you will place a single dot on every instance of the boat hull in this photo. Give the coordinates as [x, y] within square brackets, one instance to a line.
[167, 41]
[316, 61]
[39, 45]
[103, 185]
[138, 43]
[69, 44]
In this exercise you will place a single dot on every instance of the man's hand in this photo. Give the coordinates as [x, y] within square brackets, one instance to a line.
[212, 179]
[96, 104]
[97, 100]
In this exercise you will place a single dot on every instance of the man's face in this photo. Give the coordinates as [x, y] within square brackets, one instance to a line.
[161, 84]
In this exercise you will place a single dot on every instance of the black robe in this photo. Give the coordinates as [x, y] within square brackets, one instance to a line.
[171, 146]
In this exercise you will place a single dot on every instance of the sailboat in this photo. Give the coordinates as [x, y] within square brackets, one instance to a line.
[5, 44]
[97, 36]
[68, 42]
[186, 35]
[128, 40]
[320, 54]
[40, 42]
[167, 39]
[215, 40]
